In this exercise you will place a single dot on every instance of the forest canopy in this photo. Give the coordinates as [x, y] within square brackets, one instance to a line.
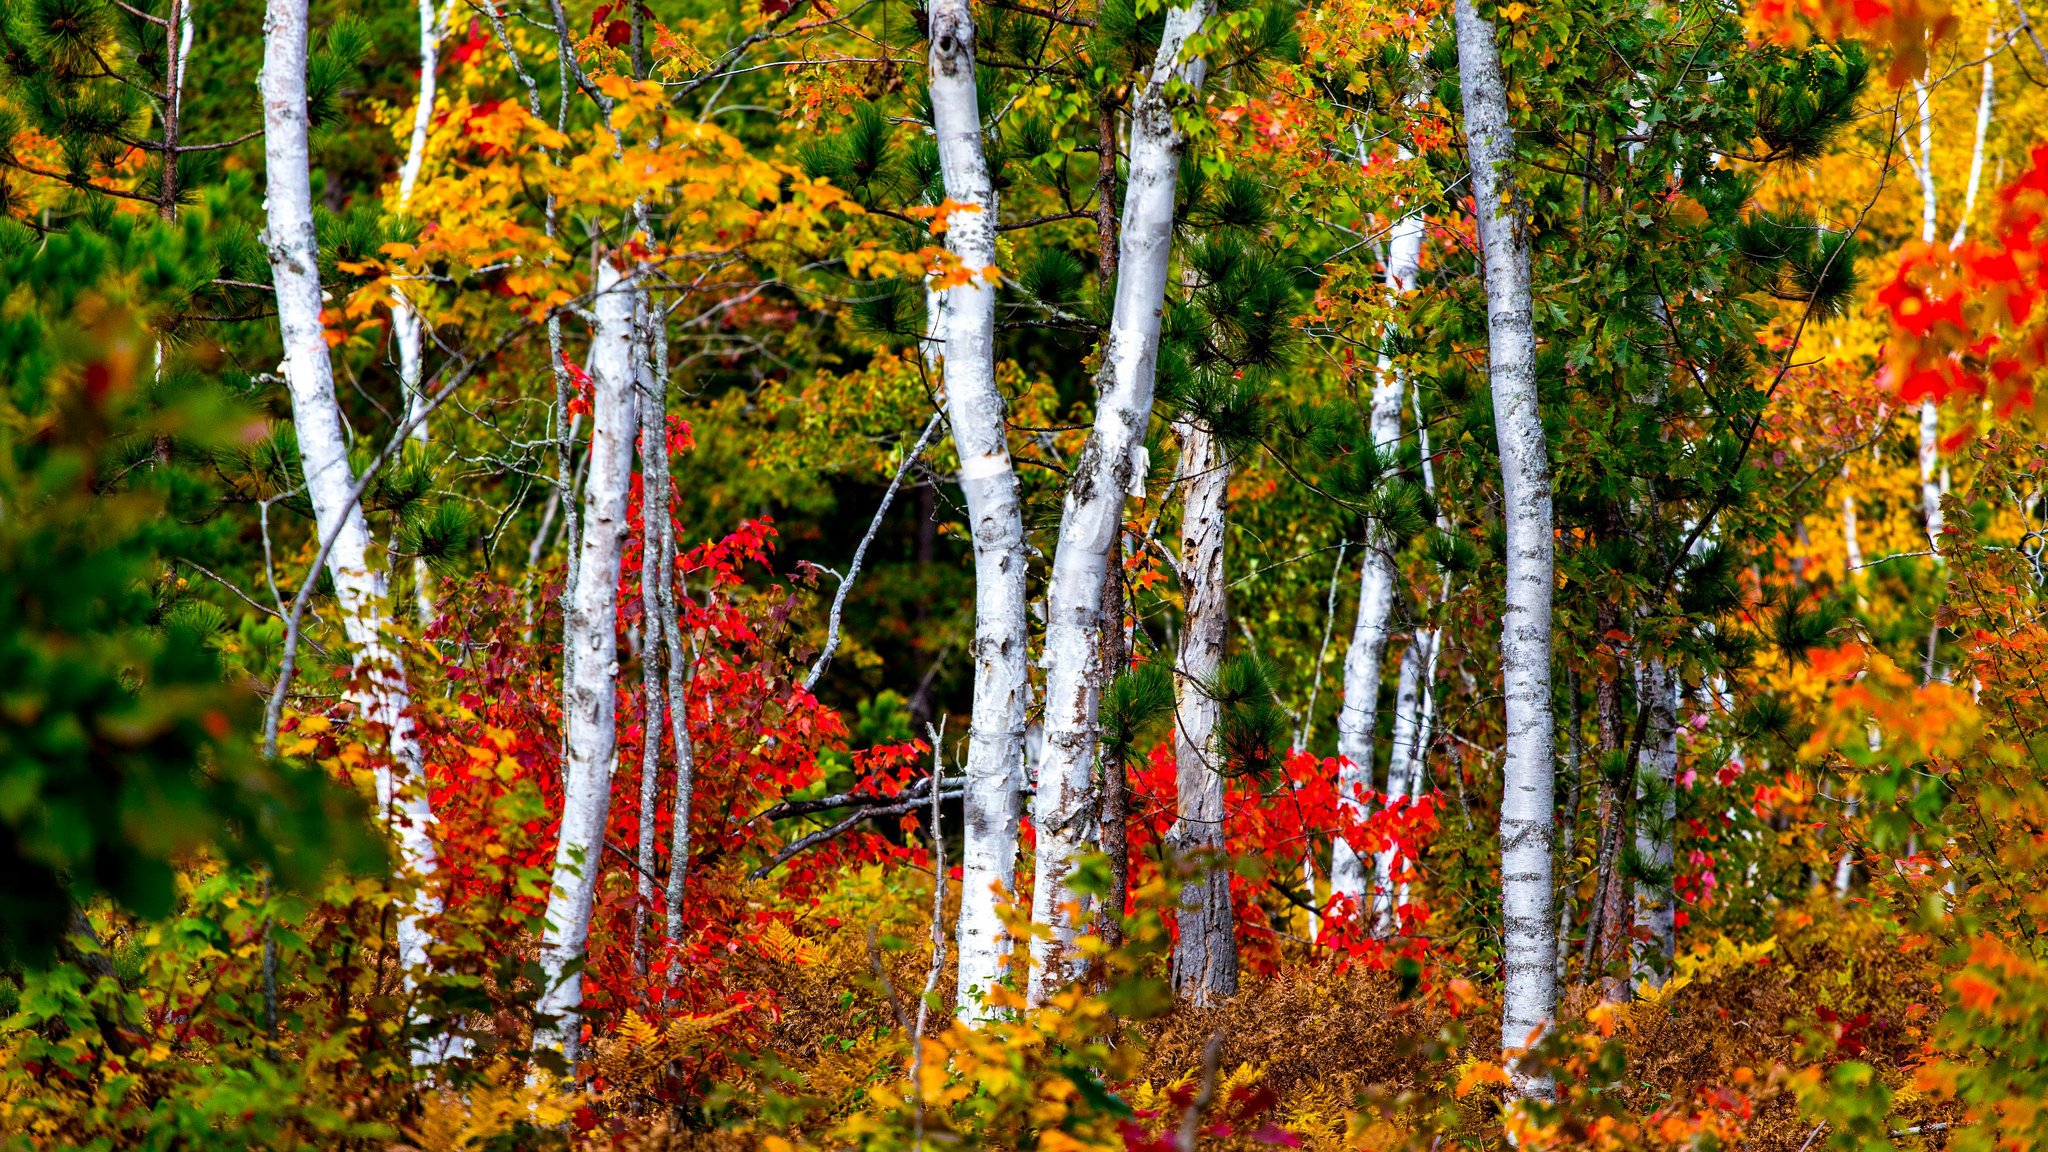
[1071, 575]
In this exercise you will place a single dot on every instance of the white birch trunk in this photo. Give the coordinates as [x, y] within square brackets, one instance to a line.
[590, 736]
[1425, 731]
[382, 694]
[1205, 954]
[407, 331]
[1093, 514]
[1356, 719]
[1528, 776]
[1930, 415]
[1656, 909]
[963, 330]
[1403, 761]
[1985, 97]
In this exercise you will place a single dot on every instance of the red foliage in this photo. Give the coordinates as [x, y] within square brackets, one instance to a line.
[1966, 321]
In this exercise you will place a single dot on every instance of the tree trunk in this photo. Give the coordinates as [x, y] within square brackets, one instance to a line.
[590, 632]
[1528, 777]
[1116, 780]
[1404, 760]
[1205, 953]
[988, 482]
[655, 571]
[1657, 775]
[382, 694]
[680, 661]
[1104, 471]
[1357, 718]
[407, 331]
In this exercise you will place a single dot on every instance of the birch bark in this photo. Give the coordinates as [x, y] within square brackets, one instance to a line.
[1356, 719]
[988, 481]
[382, 693]
[1205, 953]
[1103, 473]
[590, 737]
[1528, 775]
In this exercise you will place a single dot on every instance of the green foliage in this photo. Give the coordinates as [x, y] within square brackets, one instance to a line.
[121, 747]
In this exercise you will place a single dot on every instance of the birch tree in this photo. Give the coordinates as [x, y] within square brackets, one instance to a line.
[381, 694]
[1205, 952]
[1529, 947]
[590, 632]
[1362, 661]
[966, 343]
[1105, 470]
[407, 330]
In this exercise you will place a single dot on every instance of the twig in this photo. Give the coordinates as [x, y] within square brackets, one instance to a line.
[244, 596]
[822, 835]
[860, 553]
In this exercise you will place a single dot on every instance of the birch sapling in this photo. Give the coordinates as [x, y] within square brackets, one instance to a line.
[590, 632]
[1356, 718]
[1106, 469]
[381, 694]
[1205, 952]
[1528, 776]
[988, 481]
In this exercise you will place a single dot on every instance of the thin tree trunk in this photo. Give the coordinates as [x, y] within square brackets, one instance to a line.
[407, 329]
[679, 665]
[1116, 781]
[382, 694]
[177, 41]
[1104, 472]
[1403, 761]
[1985, 96]
[988, 481]
[1357, 718]
[1528, 775]
[655, 570]
[1205, 953]
[1930, 415]
[590, 631]
[1657, 779]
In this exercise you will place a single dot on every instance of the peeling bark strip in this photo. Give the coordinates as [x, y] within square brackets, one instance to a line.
[988, 481]
[1355, 719]
[1528, 777]
[1205, 954]
[591, 634]
[382, 694]
[1065, 804]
